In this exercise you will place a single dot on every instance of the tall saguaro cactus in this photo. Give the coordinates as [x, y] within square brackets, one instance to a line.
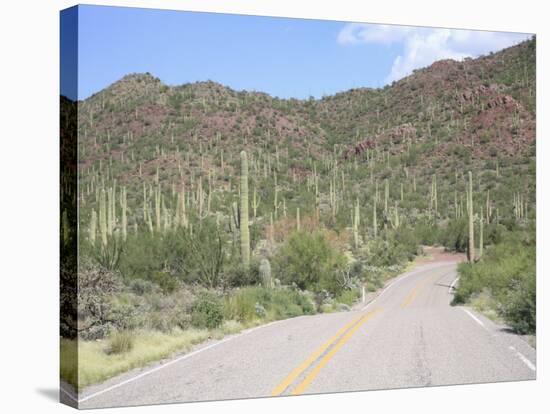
[245, 234]
[374, 221]
[124, 205]
[481, 233]
[471, 246]
[355, 223]
[386, 195]
[103, 218]
[93, 226]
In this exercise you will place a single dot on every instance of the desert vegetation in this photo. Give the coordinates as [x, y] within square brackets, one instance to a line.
[204, 211]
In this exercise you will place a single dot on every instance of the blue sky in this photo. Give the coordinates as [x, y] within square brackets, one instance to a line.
[283, 57]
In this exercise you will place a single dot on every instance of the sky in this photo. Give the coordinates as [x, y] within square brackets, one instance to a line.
[281, 56]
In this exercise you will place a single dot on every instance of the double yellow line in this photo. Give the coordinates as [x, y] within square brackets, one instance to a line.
[336, 342]
[414, 292]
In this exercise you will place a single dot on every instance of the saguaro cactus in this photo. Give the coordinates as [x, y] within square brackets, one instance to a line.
[245, 235]
[103, 217]
[255, 202]
[158, 196]
[481, 233]
[386, 195]
[110, 220]
[124, 206]
[374, 222]
[265, 273]
[356, 219]
[93, 225]
[471, 246]
[395, 219]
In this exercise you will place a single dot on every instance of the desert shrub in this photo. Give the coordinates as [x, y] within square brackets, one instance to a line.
[493, 233]
[204, 255]
[257, 302]
[396, 248]
[507, 271]
[373, 277]
[123, 312]
[167, 282]
[236, 275]
[407, 241]
[287, 303]
[141, 286]
[120, 342]
[519, 306]
[308, 260]
[426, 233]
[96, 289]
[455, 236]
[147, 254]
[207, 311]
[166, 312]
[241, 305]
[348, 297]
[109, 256]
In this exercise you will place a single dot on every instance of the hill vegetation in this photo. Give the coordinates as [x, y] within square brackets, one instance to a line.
[200, 205]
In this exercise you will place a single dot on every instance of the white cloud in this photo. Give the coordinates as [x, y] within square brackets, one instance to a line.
[423, 46]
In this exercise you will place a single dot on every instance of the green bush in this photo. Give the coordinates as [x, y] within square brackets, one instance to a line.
[310, 262]
[122, 314]
[249, 303]
[207, 311]
[507, 271]
[348, 297]
[396, 248]
[455, 236]
[97, 290]
[235, 275]
[520, 307]
[165, 281]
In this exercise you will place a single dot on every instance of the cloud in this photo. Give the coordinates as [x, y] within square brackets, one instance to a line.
[422, 46]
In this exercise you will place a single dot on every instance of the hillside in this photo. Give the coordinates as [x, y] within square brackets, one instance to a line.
[370, 174]
[443, 119]
[484, 105]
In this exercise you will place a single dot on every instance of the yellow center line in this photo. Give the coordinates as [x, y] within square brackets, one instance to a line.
[324, 361]
[414, 292]
[304, 365]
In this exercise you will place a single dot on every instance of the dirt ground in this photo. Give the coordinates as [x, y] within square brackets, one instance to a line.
[438, 254]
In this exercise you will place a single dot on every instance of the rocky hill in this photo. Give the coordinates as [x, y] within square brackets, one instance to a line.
[417, 137]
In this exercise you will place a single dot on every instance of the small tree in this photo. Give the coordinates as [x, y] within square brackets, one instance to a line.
[309, 261]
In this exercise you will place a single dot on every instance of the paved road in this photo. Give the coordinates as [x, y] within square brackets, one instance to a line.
[409, 336]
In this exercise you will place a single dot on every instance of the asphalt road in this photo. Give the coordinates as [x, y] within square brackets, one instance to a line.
[409, 336]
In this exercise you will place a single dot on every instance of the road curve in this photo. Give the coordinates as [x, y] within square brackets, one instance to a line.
[409, 336]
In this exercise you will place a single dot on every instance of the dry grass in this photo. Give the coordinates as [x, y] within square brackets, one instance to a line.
[91, 362]
[97, 363]
[484, 303]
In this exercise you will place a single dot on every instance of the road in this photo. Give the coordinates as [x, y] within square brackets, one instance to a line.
[408, 336]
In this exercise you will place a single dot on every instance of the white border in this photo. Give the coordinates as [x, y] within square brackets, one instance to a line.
[29, 168]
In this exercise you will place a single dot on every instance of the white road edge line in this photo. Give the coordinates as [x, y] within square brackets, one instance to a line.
[181, 358]
[67, 393]
[523, 359]
[453, 284]
[406, 275]
[475, 318]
